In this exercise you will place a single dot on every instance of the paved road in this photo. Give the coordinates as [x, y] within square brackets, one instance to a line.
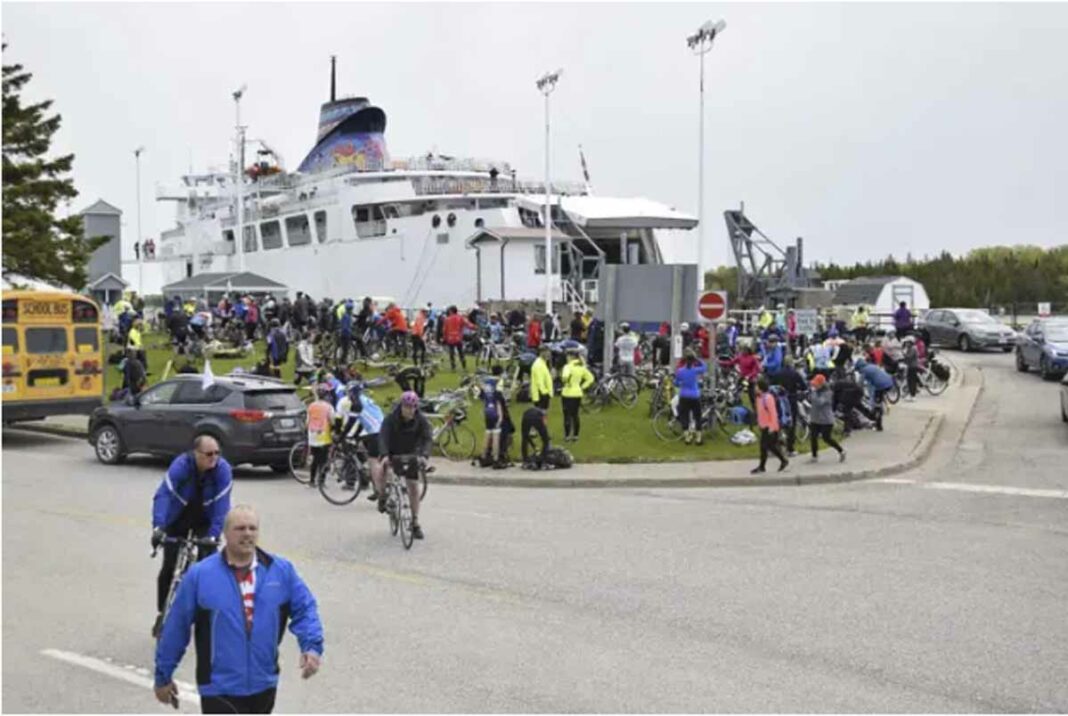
[891, 596]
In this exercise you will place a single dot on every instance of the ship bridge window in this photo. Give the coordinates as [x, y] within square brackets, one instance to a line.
[298, 230]
[249, 240]
[492, 203]
[271, 235]
[370, 221]
[320, 226]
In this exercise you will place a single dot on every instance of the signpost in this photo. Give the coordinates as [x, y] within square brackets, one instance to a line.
[807, 321]
[712, 305]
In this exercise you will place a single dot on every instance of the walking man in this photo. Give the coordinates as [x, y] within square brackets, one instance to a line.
[237, 602]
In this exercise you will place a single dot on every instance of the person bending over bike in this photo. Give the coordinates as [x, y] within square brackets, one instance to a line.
[362, 420]
[194, 496]
[405, 431]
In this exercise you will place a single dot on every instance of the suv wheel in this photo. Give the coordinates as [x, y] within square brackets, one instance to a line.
[108, 445]
[965, 343]
[1043, 368]
[1021, 364]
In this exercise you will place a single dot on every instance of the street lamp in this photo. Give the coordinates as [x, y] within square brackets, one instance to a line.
[546, 84]
[239, 179]
[701, 43]
[141, 252]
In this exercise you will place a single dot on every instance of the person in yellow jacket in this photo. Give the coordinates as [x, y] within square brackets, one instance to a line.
[765, 318]
[859, 324]
[541, 379]
[134, 342]
[577, 379]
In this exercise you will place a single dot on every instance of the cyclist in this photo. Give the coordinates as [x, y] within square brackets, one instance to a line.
[419, 327]
[495, 412]
[194, 496]
[576, 379]
[541, 378]
[405, 431]
[321, 416]
[626, 344]
[688, 379]
[361, 419]
[878, 382]
[453, 336]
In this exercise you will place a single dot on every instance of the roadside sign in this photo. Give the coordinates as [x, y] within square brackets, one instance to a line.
[676, 346]
[712, 305]
[807, 321]
[1044, 310]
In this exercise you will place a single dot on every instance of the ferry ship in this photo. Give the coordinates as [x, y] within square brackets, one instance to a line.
[351, 221]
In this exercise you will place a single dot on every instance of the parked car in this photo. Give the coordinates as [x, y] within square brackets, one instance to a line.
[1044, 345]
[1064, 398]
[968, 329]
[256, 420]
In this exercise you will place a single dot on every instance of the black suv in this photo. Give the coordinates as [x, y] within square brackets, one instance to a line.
[255, 420]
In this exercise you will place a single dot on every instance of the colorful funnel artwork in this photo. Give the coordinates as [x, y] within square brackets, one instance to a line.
[351, 134]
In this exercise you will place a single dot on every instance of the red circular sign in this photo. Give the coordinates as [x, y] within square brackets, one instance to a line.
[711, 306]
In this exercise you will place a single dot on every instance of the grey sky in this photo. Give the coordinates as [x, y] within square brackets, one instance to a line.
[865, 128]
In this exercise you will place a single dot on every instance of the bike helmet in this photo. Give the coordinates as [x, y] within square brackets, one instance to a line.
[860, 363]
[409, 398]
[624, 326]
[354, 389]
[684, 327]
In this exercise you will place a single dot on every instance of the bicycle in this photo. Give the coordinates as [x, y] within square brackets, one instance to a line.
[347, 472]
[398, 502]
[451, 437]
[615, 386]
[187, 557]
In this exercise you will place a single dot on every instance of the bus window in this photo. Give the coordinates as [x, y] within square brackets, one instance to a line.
[46, 340]
[11, 341]
[84, 312]
[86, 339]
[11, 311]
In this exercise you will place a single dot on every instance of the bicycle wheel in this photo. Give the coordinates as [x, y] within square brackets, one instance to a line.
[392, 503]
[457, 442]
[893, 395]
[406, 519]
[423, 483]
[666, 425]
[180, 569]
[299, 456]
[625, 390]
[934, 384]
[594, 399]
[341, 484]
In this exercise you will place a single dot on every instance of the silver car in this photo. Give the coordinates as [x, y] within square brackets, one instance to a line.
[968, 329]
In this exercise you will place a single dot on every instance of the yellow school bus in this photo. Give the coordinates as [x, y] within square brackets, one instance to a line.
[53, 355]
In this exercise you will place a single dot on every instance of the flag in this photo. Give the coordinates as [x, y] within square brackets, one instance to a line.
[209, 378]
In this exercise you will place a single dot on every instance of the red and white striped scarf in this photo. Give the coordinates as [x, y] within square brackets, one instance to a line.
[246, 581]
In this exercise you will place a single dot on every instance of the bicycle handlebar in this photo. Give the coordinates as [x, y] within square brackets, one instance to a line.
[198, 542]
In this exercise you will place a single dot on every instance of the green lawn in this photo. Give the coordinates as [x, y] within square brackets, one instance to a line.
[613, 435]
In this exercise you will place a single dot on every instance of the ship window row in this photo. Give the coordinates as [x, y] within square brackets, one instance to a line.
[297, 230]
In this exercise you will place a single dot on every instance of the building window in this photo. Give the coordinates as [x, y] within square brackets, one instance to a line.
[228, 236]
[271, 235]
[249, 242]
[539, 258]
[298, 232]
[370, 221]
[320, 226]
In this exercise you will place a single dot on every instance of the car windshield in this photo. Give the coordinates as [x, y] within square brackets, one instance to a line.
[976, 317]
[273, 400]
[1057, 332]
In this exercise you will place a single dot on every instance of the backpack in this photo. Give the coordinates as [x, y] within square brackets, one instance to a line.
[941, 370]
[558, 458]
[786, 416]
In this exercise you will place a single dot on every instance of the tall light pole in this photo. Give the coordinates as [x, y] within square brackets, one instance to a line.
[701, 43]
[141, 252]
[546, 84]
[239, 179]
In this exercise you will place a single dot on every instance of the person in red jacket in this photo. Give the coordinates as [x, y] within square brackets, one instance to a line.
[534, 332]
[453, 335]
[749, 368]
[702, 336]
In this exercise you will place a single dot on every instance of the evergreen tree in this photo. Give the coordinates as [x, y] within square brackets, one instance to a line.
[36, 242]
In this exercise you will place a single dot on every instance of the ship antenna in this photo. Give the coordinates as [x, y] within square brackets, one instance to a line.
[333, 78]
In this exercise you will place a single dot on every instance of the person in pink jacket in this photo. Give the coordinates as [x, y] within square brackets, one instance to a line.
[767, 410]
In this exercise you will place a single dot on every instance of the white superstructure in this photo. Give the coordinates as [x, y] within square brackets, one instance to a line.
[353, 222]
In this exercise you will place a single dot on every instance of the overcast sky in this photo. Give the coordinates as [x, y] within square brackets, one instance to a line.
[865, 128]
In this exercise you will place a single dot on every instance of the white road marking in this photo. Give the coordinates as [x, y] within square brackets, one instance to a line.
[136, 675]
[988, 489]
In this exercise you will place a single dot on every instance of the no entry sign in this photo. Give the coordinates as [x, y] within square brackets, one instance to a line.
[712, 305]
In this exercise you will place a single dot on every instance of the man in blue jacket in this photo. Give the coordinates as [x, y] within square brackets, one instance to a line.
[194, 496]
[238, 603]
[878, 382]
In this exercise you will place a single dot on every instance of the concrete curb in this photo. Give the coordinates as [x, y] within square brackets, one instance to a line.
[919, 453]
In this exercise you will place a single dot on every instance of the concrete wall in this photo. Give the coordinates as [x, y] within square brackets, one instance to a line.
[108, 257]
